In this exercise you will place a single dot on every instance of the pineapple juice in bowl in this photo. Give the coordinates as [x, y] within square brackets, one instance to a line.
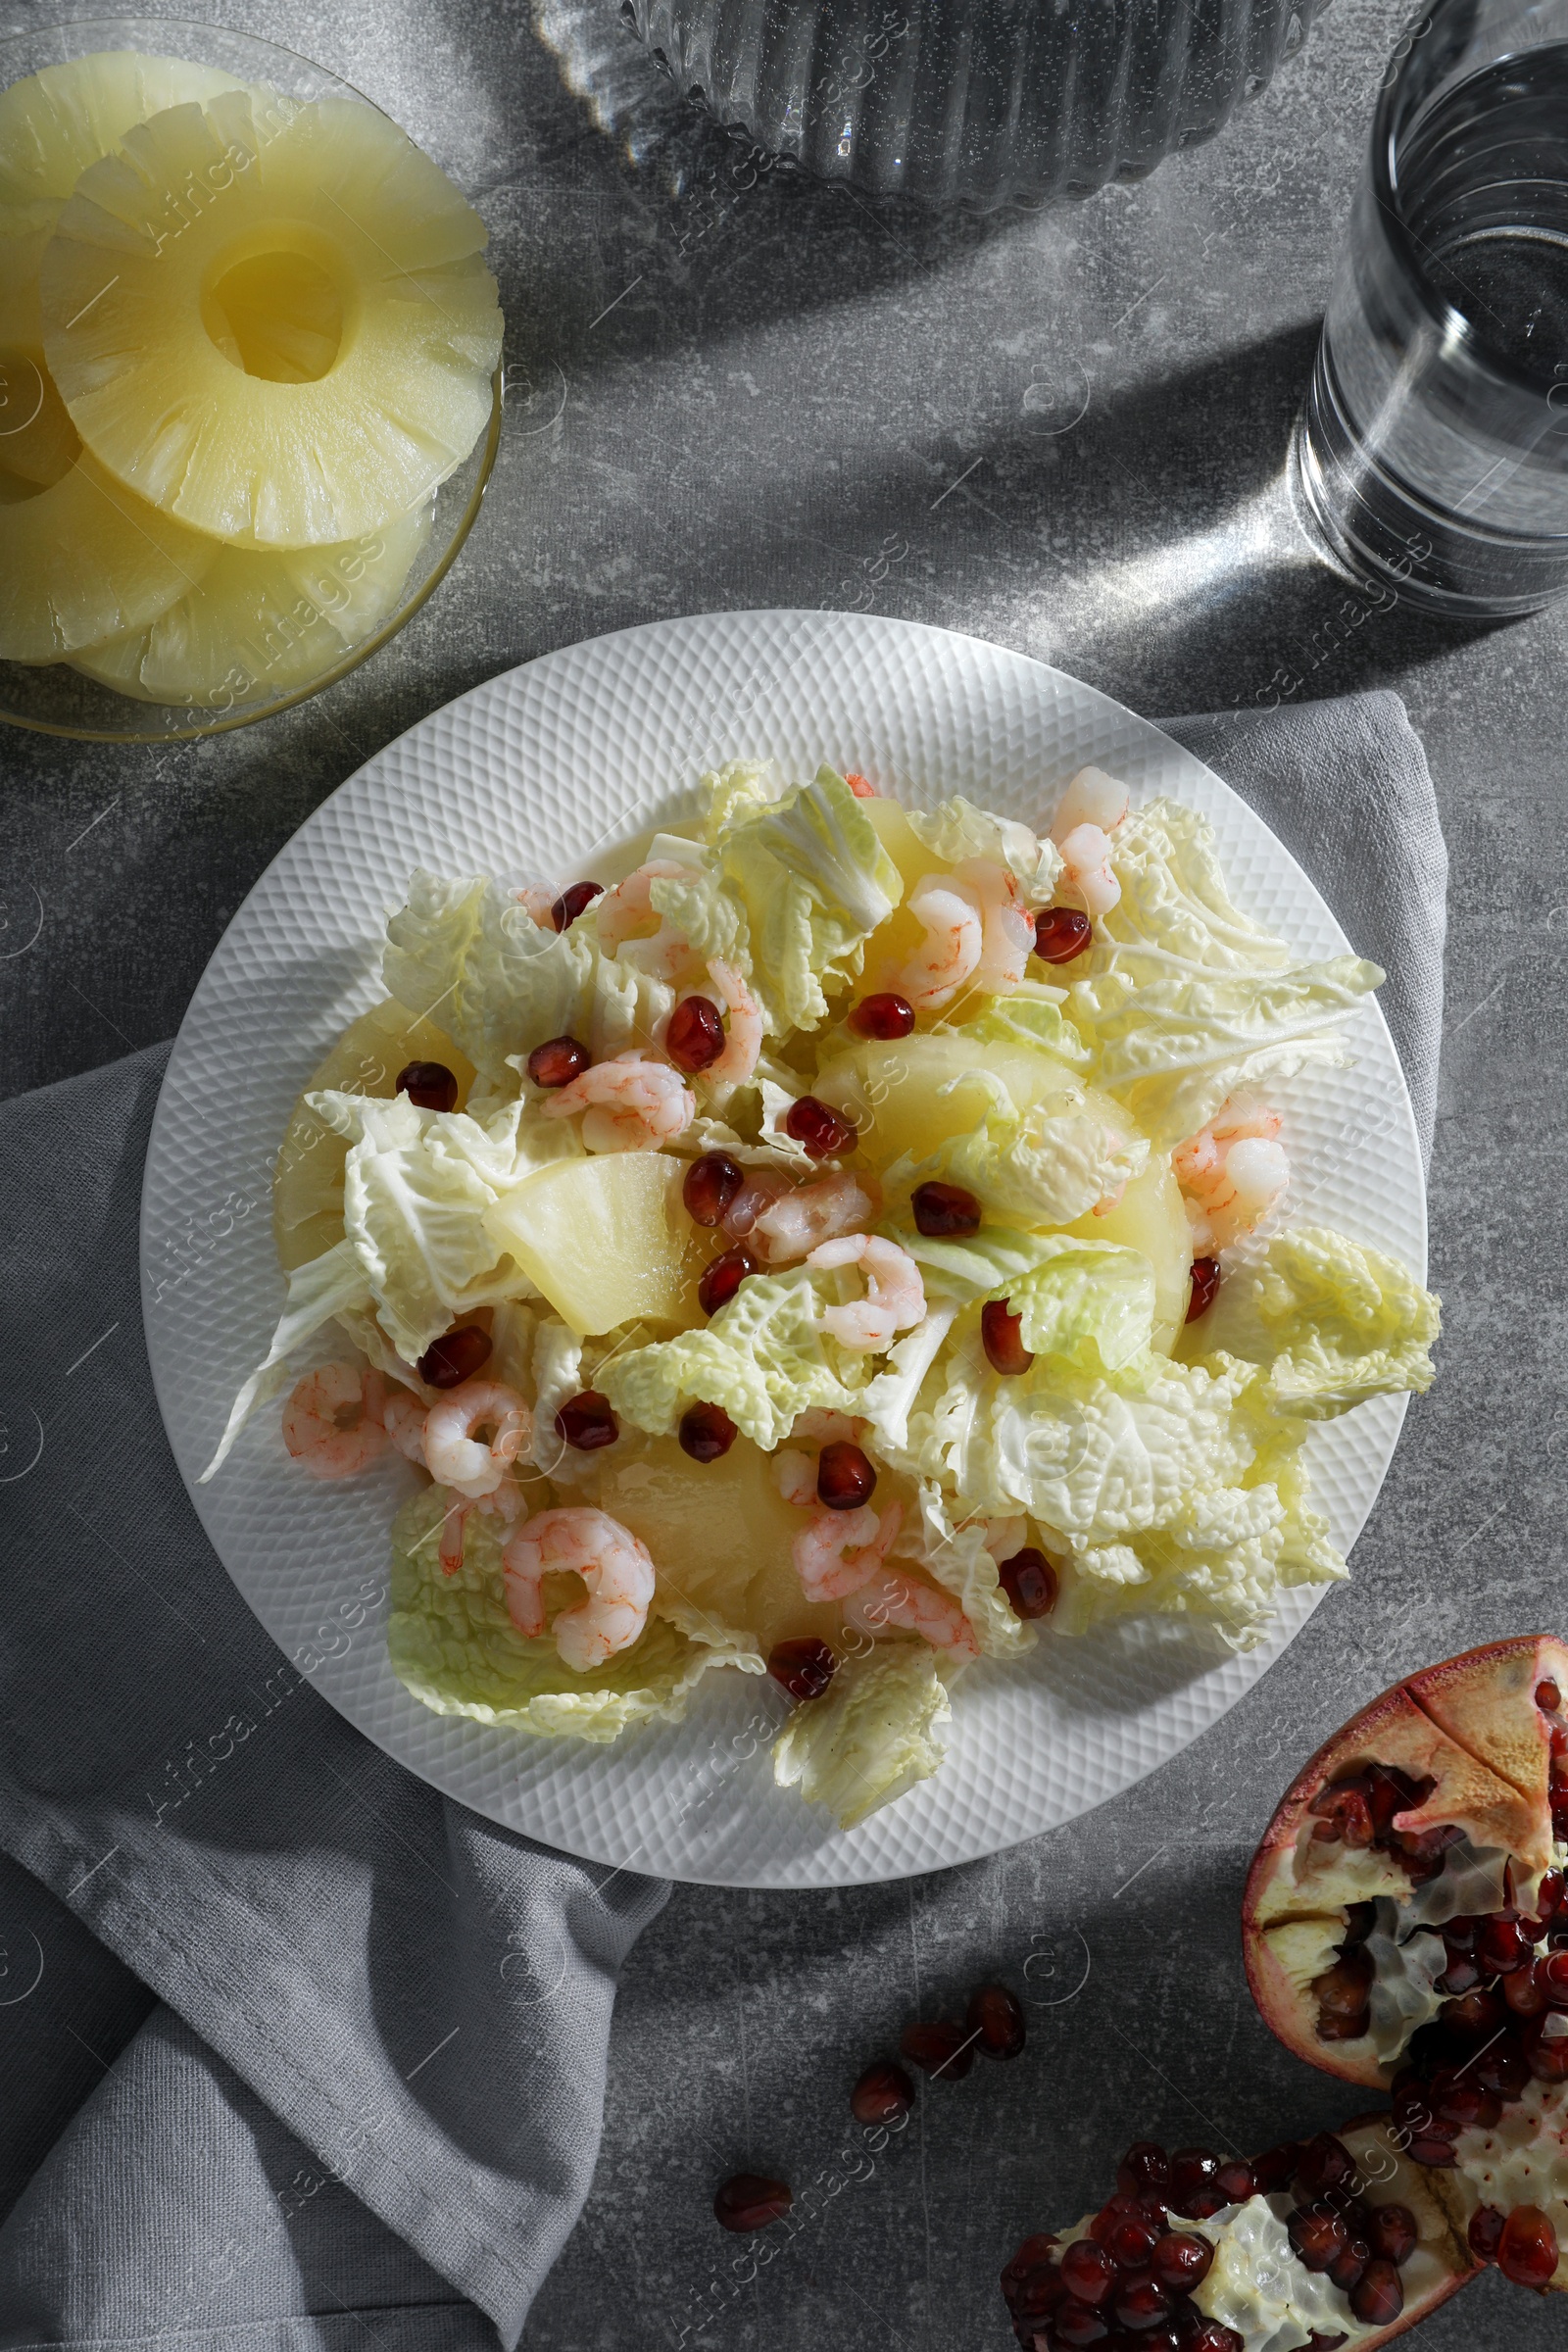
[235, 456]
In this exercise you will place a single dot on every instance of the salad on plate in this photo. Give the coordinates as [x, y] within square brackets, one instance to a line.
[845, 1247]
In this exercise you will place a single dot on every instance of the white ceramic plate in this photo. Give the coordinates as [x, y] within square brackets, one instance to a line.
[537, 772]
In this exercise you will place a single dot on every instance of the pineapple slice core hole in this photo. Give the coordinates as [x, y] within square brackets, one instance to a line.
[278, 316]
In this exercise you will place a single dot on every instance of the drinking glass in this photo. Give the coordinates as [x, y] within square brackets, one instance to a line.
[1433, 450]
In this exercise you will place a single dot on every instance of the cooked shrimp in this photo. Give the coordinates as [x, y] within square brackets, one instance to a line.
[892, 1599]
[797, 1221]
[628, 1103]
[895, 1295]
[1231, 1173]
[1007, 929]
[949, 912]
[332, 1421]
[614, 1565]
[761, 1188]
[1086, 870]
[454, 1534]
[836, 1553]
[861, 786]
[744, 1040]
[403, 1418]
[795, 1475]
[820, 1425]
[1091, 798]
[456, 1456]
[618, 912]
[540, 901]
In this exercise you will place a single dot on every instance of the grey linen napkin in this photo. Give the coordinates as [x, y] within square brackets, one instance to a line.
[368, 2099]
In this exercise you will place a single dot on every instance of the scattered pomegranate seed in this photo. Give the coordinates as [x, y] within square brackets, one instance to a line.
[1089, 2271]
[884, 1015]
[1378, 2298]
[1146, 2164]
[453, 1357]
[558, 1061]
[1547, 1696]
[574, 900]
[723, 1277]
[846, 1477]
[1235, 2183]
[1180, 2261]
[1392, 2233]
[694, 1036]
[1205, 1282]
[705, 1432]
[861, 786]
[997, 2017]
[1485, 2233]
[711, 1184]
[1527, 2251]
[747, 2201]
[1192, 2182]
[804, 1665]
[999, 1336]
[587, 1421]
[820, 1129]
[943, 1209]
[1030, 1583]
[884, 2094]
[430, 1084]
[938, 2048]
[1060, 932]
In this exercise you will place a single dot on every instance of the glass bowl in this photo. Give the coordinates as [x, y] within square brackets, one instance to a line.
[58, 700]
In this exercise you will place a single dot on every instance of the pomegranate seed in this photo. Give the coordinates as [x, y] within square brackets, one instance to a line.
[1485, 2233]
[1032, 2300]
[694, 1036]
[1192, 2182]
[1062, 933]
[1035, 2260]
[430, 1084]
[1117, 2209]
[1348, 2264]
[804, 1665]
[1316, 2234]
[1215, 2336]
[558, 1061]
[884, 1015]
[1475, 2014]
[1527, 2251]
[1344, 1813]
[587, 1421]
[1077, 2324]
[1551, 1975]
[1275, 2169]
[1235, 2183]
[1087, 2271]
[705, 1432]
[1501, 1947]
[1141, 2303]
[711, 1184]
[1318, 2342]
[1146, 2164]
[723, 1277]
[1182, 2261]
[1468, 2106]
[1378, 2298]
[1205, 1282]
[1504, 2068]
[997, 2017]
[1549, 1698]
[1342, 1989]
[1325, 2162]
[943, 1210]
[574, 900]
[1462, 1975]
[1545, 2047]
[1523, 1994]
[453, 1357]
[747, 2201]
[1030, 1583]
[884, 2094]
[846, 1477]
[1436, 2154]
[820, 1129]
[1392, 2233]
[999, 1336]
[939, 2049]
[1130, 2242]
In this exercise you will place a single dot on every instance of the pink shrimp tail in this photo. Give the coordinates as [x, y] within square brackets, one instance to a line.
[454, 1529]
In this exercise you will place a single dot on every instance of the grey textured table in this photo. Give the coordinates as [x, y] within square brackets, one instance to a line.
[1064, 432]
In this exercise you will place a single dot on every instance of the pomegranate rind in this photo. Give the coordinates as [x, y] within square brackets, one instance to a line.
[1485, 1699]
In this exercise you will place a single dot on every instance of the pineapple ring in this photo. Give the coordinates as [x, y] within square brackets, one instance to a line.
[194, 202]
[259, 623]
[55, 122]
[84, 559]
[37, 440]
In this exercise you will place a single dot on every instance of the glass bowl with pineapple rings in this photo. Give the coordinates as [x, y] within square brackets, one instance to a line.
[250, 378]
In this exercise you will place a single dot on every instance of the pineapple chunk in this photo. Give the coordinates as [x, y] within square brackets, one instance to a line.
[894, 1093]
[258, 624]
[606, 1239]
[84, 559]
[1149, 1217]
[204, 218]
[56, 122]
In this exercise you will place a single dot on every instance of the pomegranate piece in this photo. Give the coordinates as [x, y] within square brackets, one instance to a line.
[939, 2049]
[1378, 2297]
[430, 1084]
[453, 1357]
[884, 1016]
[695, 1037]
[1001, 1337]
[818, 1129]
[705, 1432]
[749, 2201]
[1062, 933]
[574, 899]
[997, 2019]
[1088, 2271]
[587, 1421]
[943, 1209]
[711, 1184]
[723, 1277]
[1182, 2261]
[1030, 1583]
[846, 1476]
[1205, 1283]
[804, 1665]
[884, 2094]
[1392, 2233]
[558, 1061]
[1527, 2251]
